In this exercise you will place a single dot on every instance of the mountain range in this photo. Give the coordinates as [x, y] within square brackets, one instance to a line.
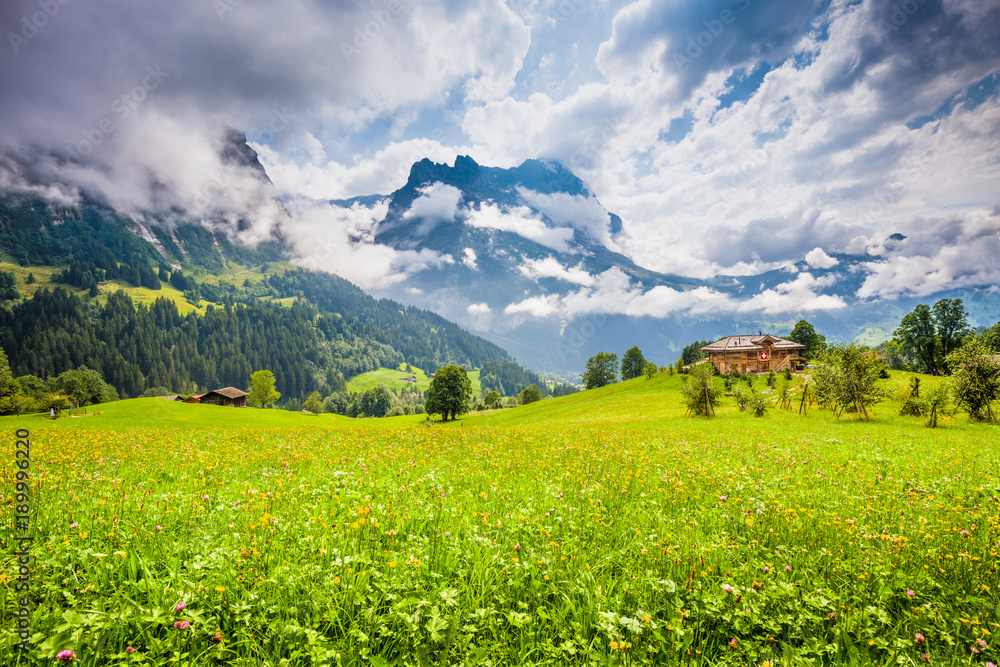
[534, 262]
[527, 259]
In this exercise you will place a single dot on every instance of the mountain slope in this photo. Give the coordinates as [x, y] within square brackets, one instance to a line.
[532, 261]
[257, 311]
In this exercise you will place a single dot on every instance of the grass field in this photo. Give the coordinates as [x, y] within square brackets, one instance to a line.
[600, 528]
[391, 378]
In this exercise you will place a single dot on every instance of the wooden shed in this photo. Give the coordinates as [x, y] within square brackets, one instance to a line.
[231, 396]
[755, 354]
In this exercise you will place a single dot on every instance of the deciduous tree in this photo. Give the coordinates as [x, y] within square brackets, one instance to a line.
[602, 369]
[976, 379]
[633, 363]
[530, 394]
[848, 377]
[314, 403]
[262, 391]
[492, 400]
[449, 393]
[926, 335]
[805, 333]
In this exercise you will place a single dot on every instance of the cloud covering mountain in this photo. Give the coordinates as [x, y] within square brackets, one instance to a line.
[733, 137]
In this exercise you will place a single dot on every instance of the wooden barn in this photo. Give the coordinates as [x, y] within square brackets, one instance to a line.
[755, 354]
[230, 396]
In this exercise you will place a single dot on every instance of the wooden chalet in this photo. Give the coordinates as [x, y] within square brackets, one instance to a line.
[173, 397]
[755, 354]
[230, 396]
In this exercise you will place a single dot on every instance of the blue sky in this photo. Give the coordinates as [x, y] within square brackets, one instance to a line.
[732, 136]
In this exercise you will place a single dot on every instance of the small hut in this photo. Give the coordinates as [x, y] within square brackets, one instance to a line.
[230, 396]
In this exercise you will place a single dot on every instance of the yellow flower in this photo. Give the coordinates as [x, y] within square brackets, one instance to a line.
[222, 589]
[336, 580]
[392, 563]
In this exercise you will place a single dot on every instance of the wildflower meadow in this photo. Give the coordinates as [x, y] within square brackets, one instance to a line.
[543, 539]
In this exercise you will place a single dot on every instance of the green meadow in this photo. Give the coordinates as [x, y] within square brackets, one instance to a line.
[392, 378]
[601, 528]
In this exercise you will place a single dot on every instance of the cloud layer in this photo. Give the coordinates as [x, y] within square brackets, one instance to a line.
[732, 136]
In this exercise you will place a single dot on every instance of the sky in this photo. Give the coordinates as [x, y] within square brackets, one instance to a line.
[731, 136]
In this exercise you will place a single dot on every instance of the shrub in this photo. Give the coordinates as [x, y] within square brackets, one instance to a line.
[699, 391]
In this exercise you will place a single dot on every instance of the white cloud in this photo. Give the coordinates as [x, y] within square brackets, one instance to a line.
[478, 309]
[565, 210]
[796, 295]
[613, 293]
[338, 240]
[938, 256]
[519, 220]
[818, 259]
[820, 154]
[536, 306]
[550, 267]
[437, 203]
[382, 173]
[469, 258]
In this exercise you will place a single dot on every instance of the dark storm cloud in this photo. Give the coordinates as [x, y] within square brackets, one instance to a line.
[238, 59]
[693, 39]
[129, 103]
[904, 48]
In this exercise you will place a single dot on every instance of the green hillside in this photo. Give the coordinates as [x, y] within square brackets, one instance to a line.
[639, 403]
[393, 378]
[321, 330]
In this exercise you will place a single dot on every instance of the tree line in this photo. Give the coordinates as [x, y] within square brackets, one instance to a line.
[138, 347]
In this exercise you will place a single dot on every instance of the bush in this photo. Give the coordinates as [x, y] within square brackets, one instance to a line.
[699, 391]
[747, 399]
[933, 404]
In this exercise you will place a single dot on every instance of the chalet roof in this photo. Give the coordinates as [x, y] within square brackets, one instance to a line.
[740, 343]
[228, 392]
[173, 397]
